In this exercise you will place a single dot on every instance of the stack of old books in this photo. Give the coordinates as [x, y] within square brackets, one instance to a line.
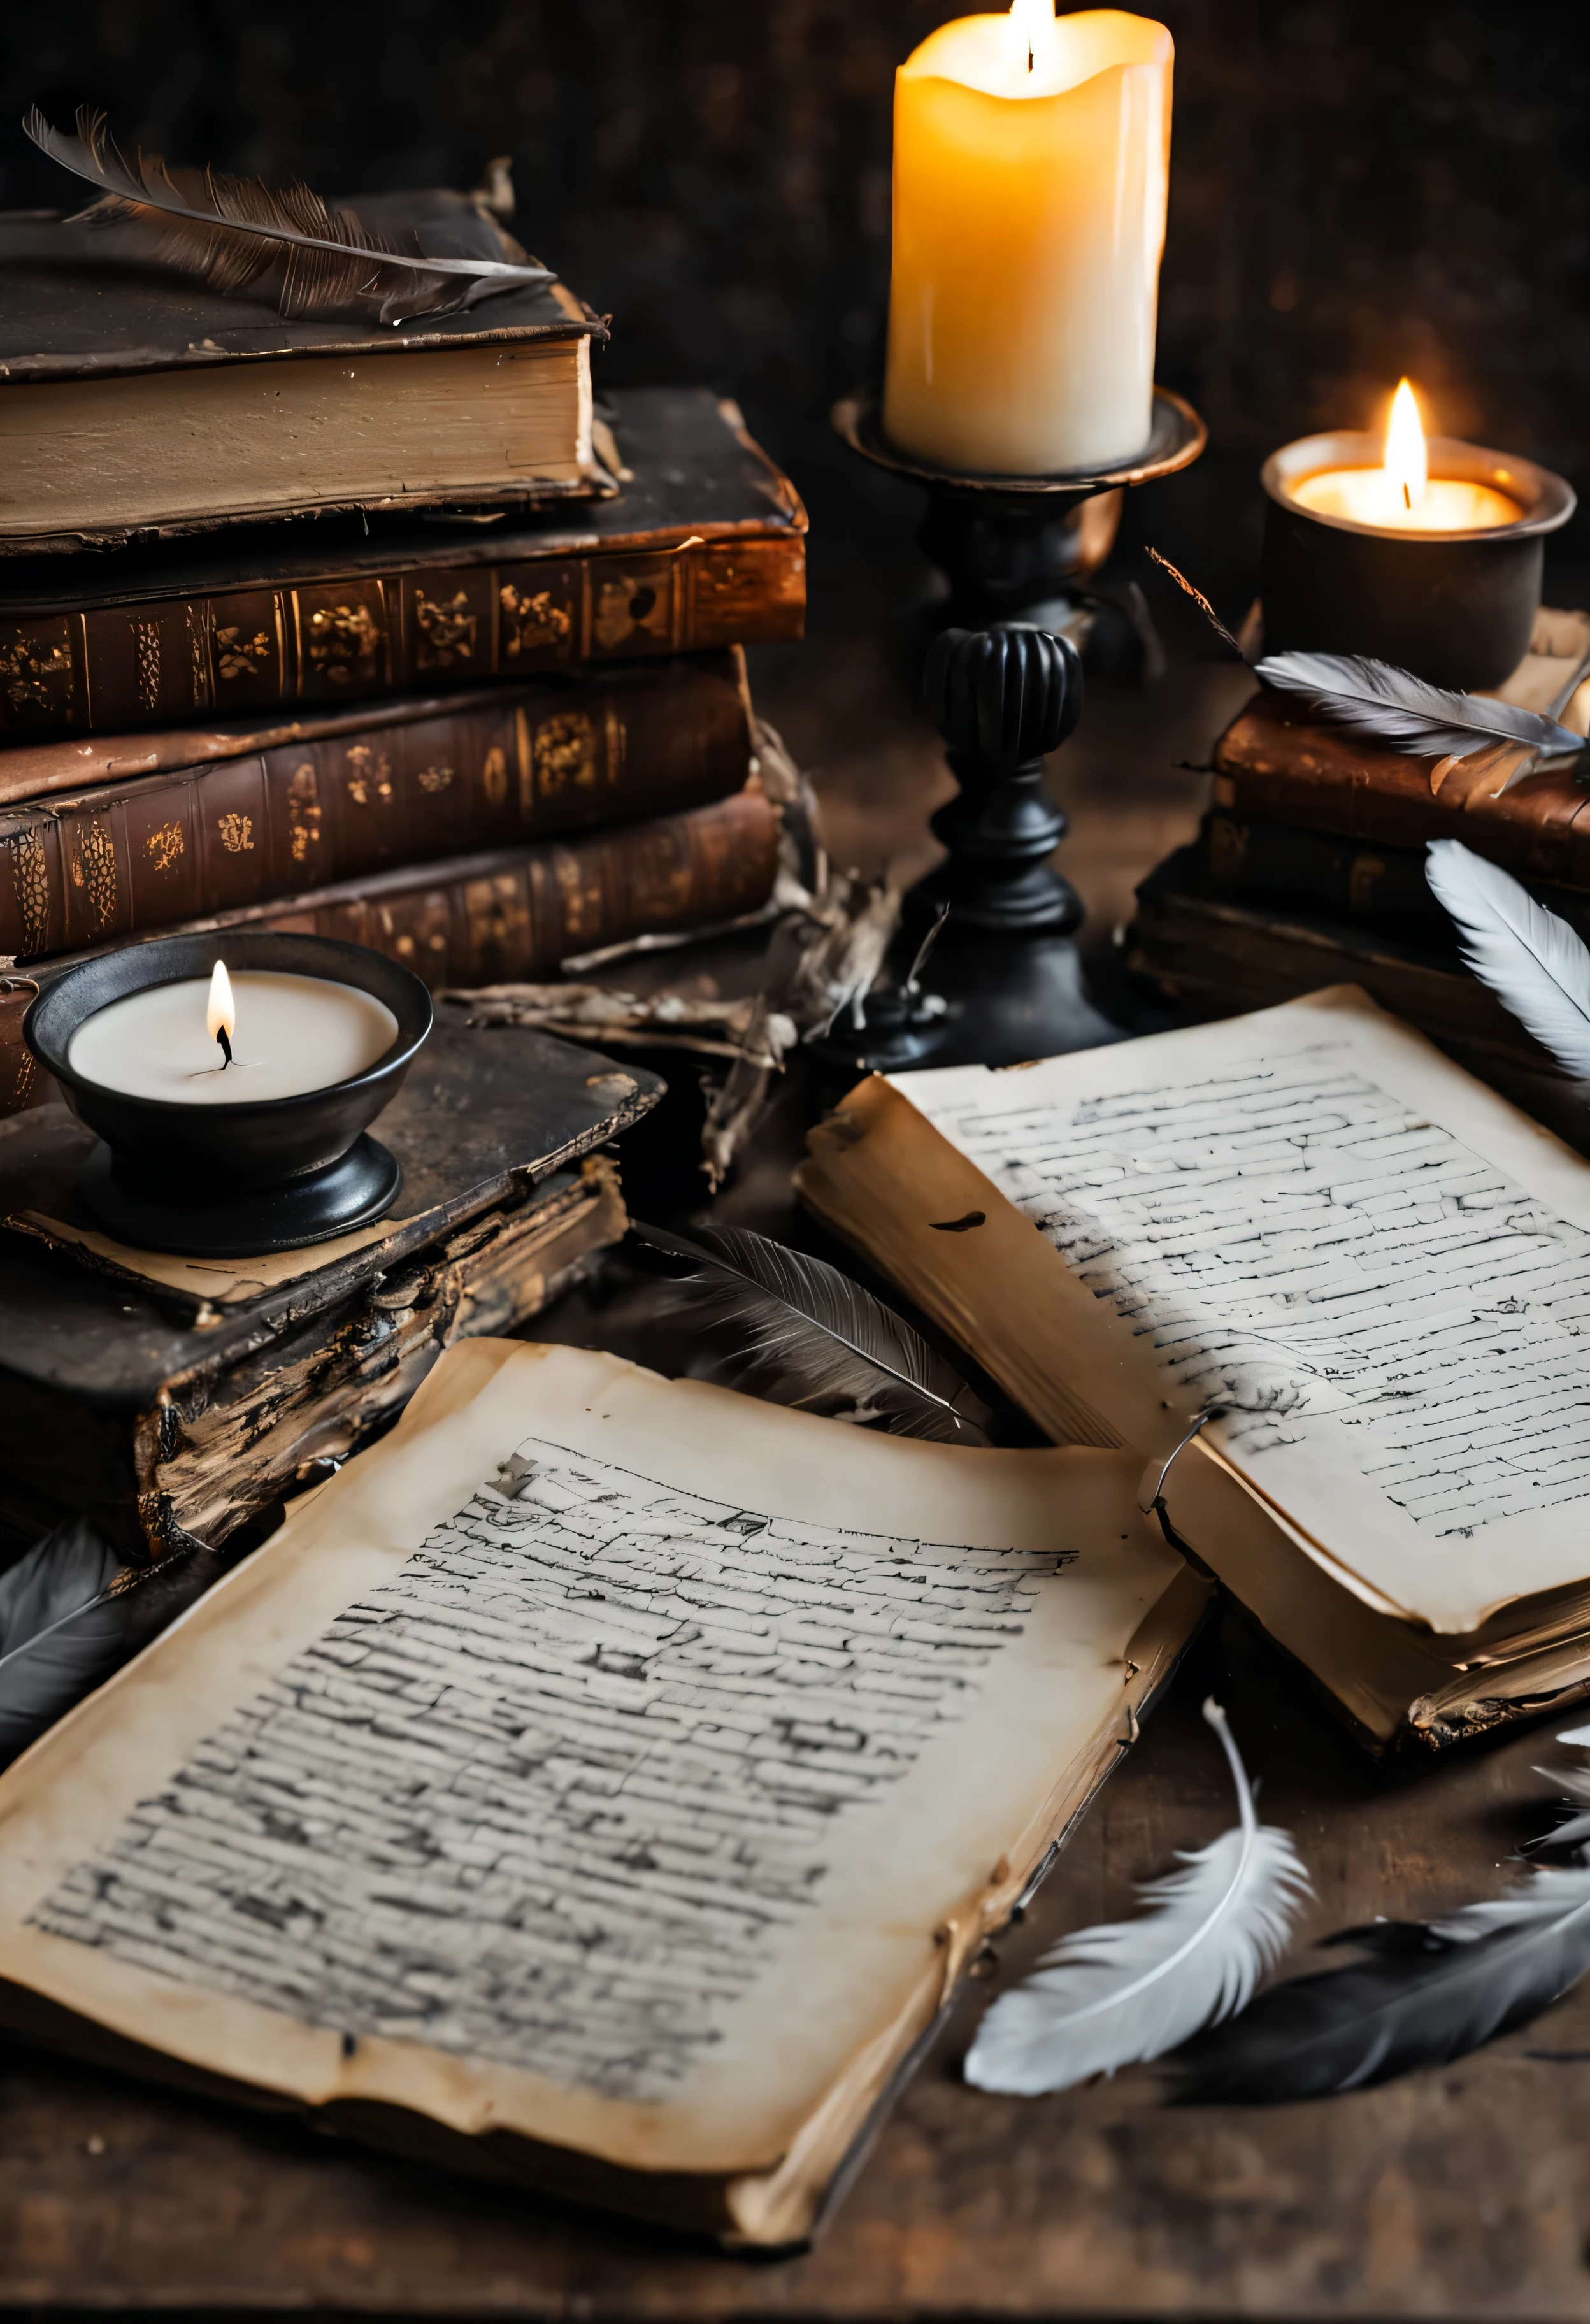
[1309, 871]
[403, 643]
[392, 635]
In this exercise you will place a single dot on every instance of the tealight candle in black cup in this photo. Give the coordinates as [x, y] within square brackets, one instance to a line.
[229, 1135]
[1427, 555]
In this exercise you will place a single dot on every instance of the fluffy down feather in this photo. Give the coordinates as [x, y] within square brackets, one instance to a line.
[1131, 1990]
[1533, 963]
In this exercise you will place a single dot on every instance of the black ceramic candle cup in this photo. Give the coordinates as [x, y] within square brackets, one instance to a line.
[1456, 608]
[232, 1181]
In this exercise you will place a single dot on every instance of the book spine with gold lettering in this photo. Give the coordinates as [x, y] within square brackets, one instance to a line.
[507, 914]
[350, 637]
[504, 767]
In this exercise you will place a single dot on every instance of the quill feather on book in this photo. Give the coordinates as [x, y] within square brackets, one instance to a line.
[1382, 704]
[1392, 705]
[232, 231]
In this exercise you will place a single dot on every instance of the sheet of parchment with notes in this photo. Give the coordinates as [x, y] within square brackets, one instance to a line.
[1375, 1269]
[599, 1755]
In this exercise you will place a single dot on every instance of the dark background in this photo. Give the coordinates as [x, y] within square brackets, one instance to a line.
[1359, 187]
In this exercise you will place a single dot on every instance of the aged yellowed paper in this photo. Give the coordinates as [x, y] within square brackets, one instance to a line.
[619, 1763]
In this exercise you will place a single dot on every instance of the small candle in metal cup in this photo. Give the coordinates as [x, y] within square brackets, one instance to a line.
[1426, 554]
[233, 1154]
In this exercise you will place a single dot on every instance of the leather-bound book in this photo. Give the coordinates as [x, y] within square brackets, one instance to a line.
[162, 1396]
[515, 912]
[1274, 760]
[137, 404]
[1254, 861]
[704, 544]
[318, 801]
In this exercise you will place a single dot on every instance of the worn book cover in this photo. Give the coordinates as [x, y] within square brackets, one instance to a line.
[1334, 1283]
[1254, 860]
[410, 782]
[496, 918]
[703, 545]
[135, 402]
[159, 1396]
[603, 1784]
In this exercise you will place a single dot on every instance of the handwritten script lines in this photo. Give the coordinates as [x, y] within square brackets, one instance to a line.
[1292, 1238]
[551, 1794]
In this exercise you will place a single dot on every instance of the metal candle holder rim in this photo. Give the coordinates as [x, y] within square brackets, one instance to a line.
[51, 1021]
[1550, 500]
[1175, 440]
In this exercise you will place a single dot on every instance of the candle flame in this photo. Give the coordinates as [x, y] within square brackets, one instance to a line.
[221, 1015]
[1029, 34]
[1407, 464]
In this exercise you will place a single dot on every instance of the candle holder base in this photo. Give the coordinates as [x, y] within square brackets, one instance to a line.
[993, 1003]
[1002, 982]
[354, 1191]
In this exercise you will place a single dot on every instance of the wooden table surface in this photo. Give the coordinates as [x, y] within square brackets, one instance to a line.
[1458, 2194]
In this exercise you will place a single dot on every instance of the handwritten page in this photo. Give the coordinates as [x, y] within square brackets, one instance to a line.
[551, 1794]
[1376, 1270]
[599, 1757]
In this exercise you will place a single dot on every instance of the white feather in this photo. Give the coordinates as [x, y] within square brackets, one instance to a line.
[1130, 1990]
[1574, 1735]
[1532, 962]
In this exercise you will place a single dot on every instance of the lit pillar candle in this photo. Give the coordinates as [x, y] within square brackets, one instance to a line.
[286, 1034]
[1030, 157]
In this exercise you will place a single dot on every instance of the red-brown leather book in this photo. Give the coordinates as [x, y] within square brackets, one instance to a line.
[704, 544]
[511, 913]
[339, 798]
[1273, 760]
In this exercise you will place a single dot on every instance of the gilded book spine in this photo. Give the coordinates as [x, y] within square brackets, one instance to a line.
[512, 914]
[525, 763]
[170, 660]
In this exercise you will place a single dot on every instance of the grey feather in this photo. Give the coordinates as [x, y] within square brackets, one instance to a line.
[814, 1338]
[1427, 1993]
[71, 1613]
[1533, 962]
[232, 231]
[1572, 1784]
[1130, 1990]
[1392, 705]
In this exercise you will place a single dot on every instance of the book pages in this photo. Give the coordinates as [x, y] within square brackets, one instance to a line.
[1375, 1271]
[615, 1762]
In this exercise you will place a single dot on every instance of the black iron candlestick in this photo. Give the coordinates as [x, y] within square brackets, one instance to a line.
[1002, 982]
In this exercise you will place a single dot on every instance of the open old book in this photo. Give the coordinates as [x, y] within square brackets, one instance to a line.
[1370, 1272]
[601, 1783]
